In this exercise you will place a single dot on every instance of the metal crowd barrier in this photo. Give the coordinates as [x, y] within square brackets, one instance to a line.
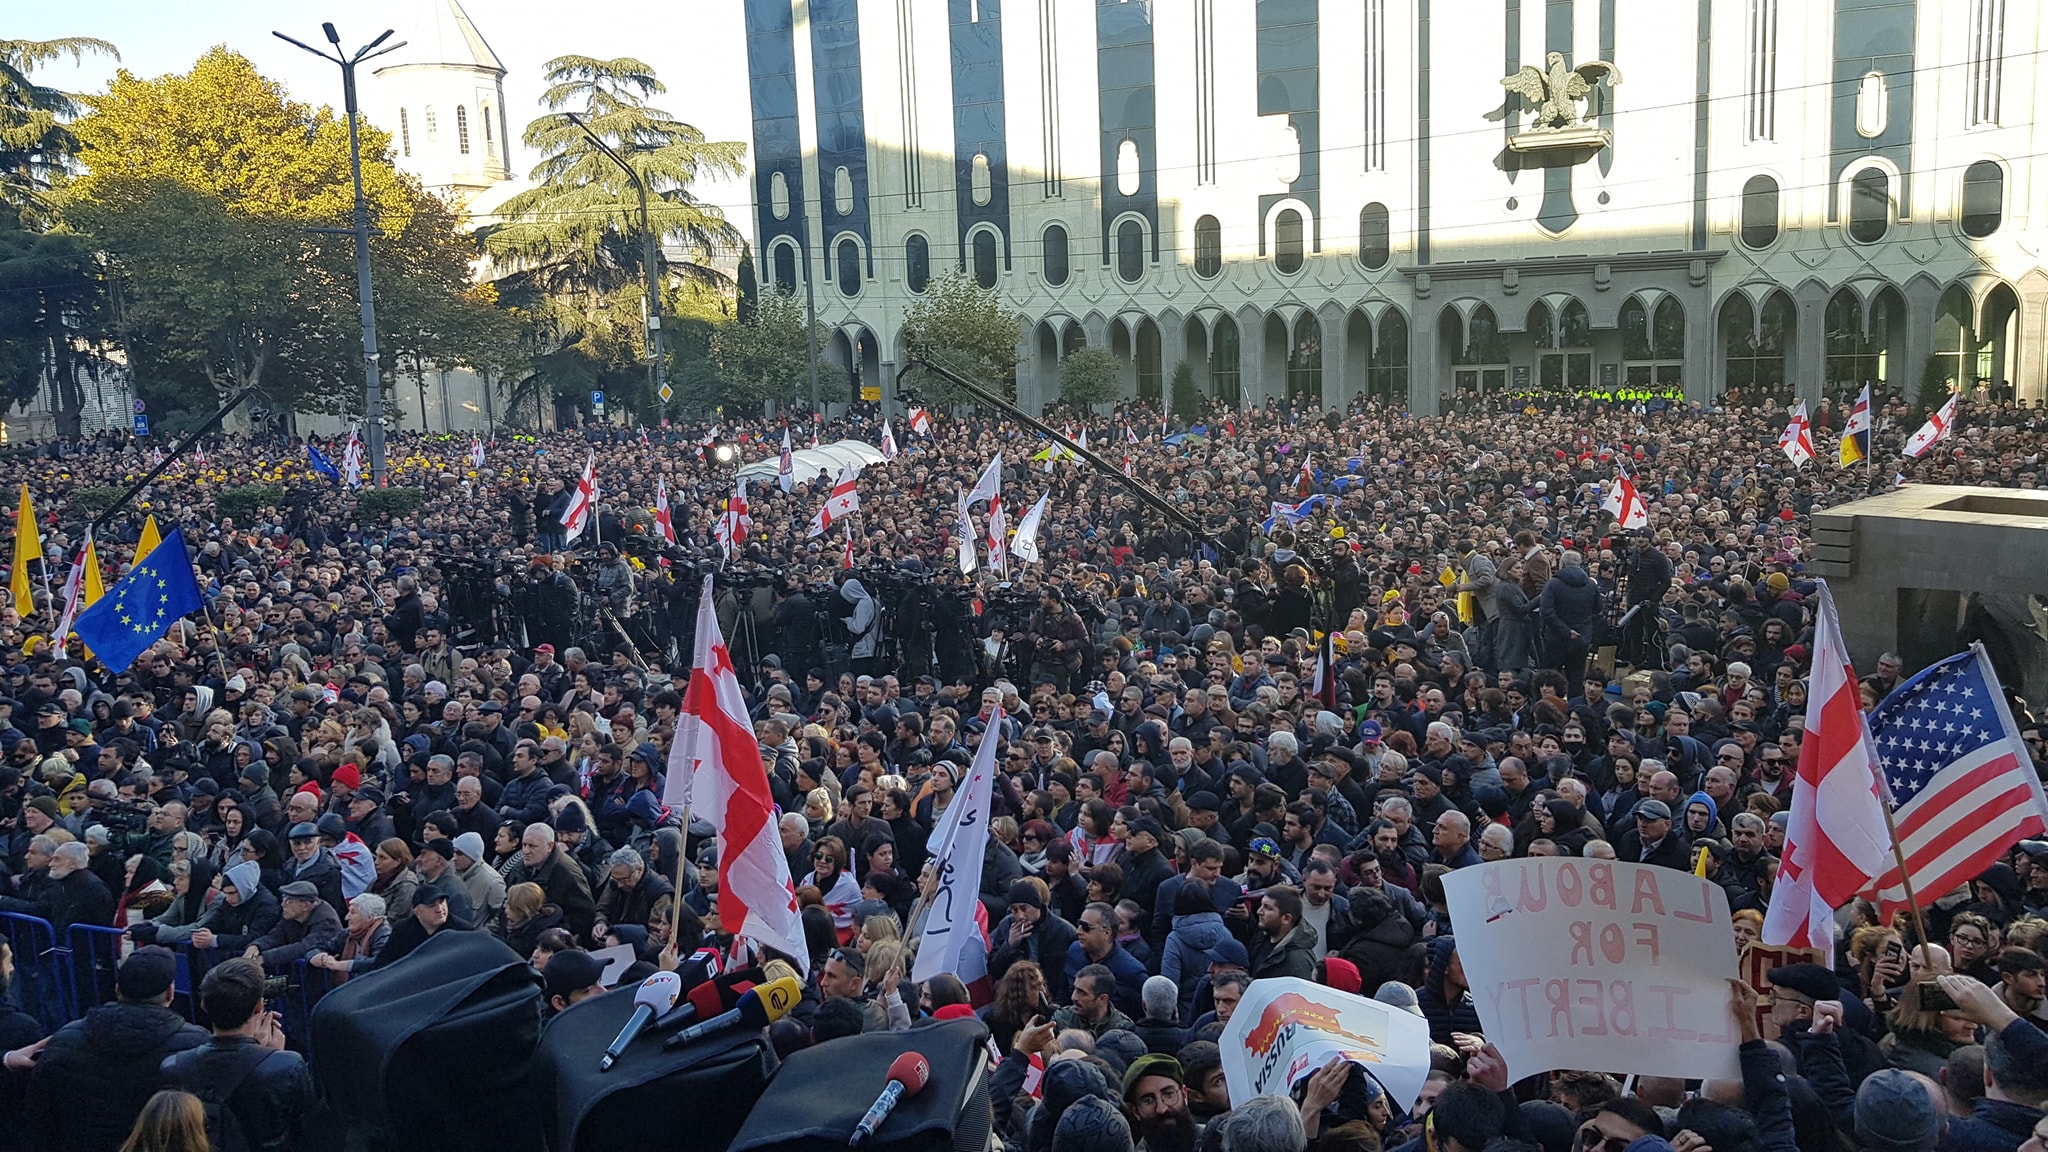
[41, 985]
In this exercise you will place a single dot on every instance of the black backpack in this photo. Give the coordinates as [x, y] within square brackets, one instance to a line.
[223, 1130]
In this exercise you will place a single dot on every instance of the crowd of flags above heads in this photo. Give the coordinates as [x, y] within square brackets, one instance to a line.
[116, 624]
[1796, 441]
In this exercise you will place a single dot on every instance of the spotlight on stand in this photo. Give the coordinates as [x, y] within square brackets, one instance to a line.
[724, 452]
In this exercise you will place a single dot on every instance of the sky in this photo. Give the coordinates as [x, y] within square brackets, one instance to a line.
[696, 47]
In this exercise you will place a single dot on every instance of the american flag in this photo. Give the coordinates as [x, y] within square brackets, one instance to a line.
[1963, 787]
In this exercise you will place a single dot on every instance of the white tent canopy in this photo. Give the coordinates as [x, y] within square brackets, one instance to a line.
[831, 459]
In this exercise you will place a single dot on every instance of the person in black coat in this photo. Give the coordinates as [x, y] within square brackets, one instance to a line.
[313, 864]
[1445, 999]
[1032, 933]
[246, 912]
[1653, 840]
[92, 1080]
[18, 1029]
[72, 895]
[268, 1090]
[1382, 942]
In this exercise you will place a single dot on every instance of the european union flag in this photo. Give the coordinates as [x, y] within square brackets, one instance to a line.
[135, 613]
[321, 464]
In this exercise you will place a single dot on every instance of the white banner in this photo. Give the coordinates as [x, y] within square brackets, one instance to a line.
[952, 940]
[1285, 1028]
[1598, 965]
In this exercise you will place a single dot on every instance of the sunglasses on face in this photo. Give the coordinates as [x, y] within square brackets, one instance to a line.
[1591, 1140]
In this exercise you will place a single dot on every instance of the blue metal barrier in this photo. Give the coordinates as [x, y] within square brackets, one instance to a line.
[95, 958]
[41, 968]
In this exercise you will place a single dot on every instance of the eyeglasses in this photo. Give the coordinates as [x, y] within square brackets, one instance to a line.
[824, 856]
[1591, 1139]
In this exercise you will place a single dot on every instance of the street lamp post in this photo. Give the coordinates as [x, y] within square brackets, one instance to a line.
[373, 385]
[650, 256]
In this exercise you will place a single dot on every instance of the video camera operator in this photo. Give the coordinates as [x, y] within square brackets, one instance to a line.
[862, 617]
[796, 624]
[614, 580]
[1057, 640]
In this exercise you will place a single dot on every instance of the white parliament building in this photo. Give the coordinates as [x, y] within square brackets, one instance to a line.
[1335, 199]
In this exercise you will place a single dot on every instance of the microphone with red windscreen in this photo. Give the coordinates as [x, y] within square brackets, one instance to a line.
[907, 1077]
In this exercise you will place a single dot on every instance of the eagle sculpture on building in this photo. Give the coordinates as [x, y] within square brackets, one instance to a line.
[1557, 90]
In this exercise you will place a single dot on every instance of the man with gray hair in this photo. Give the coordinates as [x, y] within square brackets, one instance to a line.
[72, 895]
[1570, 605]
[1264, 1124]
[630, 894]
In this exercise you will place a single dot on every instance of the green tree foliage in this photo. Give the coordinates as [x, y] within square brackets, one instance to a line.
[1186, 394]
[767, 359]
[200, 188]
[571, 248]
[1089, 376]
[35, 121]
[967, 328]
[53, 315]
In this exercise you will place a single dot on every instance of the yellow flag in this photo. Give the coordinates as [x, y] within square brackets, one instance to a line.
[95, 584]
[28, 545]
[145, 543]
[1699, 864]
[1447, 577]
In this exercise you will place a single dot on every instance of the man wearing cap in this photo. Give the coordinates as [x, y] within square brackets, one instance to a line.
[1158, 1105]
[1031, 932]
[431, 913]
[313, 863]
[572, 977]
[93, 1079]
[307, 925]
[1653, 840]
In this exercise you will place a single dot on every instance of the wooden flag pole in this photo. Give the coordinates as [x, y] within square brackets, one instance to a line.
[206, 606]
[1906, 882]
[675, 904]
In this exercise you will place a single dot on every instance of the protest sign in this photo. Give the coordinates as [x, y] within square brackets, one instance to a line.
[1598, 965]
[1758, 960]
[1285, 1028]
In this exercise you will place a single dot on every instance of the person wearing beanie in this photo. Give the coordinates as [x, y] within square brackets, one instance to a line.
[484, 884]
[92, 1080]
[1032, 932]
[1895, 1112]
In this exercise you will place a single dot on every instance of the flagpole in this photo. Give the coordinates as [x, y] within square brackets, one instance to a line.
[675, 903]
[206, 606]
[1906, 881]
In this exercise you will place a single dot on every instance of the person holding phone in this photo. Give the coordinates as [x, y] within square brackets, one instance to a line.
[262, 1089]
[1032, 932]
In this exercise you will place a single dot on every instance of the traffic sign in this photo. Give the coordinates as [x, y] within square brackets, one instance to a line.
[667, 393]
[141, 423]
[596, 399]
[140, 407]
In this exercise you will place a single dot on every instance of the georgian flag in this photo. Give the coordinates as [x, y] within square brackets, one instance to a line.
[888, 442]
[1625, 504]
[709, 439]
[583, 503]
[476, 452]
[990, 486]
[663, 518]
[998, 537]
[1797, 439]
[920, 422]
[785, 472]
[1939, 427]
[352, 462]
[842, 503]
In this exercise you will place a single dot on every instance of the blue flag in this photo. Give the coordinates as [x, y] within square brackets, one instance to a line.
[135, 613]
[321, 464]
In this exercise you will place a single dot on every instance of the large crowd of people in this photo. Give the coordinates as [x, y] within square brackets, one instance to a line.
[454, 718]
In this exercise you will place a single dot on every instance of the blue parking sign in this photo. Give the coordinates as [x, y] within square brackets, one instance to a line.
[141, 424]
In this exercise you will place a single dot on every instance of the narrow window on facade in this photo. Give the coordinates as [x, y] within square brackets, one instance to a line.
[462, 129]
[978, 181]
[1983, 199]
[1225, 369]
[1208, 247]
[433, 127]
[785, 267]
[1374, 240]
[778, 195]
[842, 191]
[917, 262]
[1130, 251]
[1762, 73]
[985, 258]
[1054, 248]
[1287, 241]
[1387, 377]
[483, 113]
[404, 132]
[1128, 177]
[1870, 202]
[1653, 350]
[1986, 67]
[1759, 212]
[848, 259]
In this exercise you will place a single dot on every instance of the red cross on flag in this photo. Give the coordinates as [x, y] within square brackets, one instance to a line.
[1796, 442]
[1939, 427]
[583, 504]
[843, 502]
[1625, 504]
[663, 519]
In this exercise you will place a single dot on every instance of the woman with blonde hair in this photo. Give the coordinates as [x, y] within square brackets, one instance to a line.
[172, 1121]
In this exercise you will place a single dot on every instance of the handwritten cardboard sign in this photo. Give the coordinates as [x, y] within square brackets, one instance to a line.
[1598, 965]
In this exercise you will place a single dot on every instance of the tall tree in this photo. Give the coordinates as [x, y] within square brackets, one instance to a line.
[35, 120]
[200, 189]
[967, 328]
[571, 246]
[766, 358]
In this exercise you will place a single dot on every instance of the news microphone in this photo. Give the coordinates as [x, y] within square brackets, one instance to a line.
[907, 1077]
[699, 1003]
[657, 993]
[759, 1007]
